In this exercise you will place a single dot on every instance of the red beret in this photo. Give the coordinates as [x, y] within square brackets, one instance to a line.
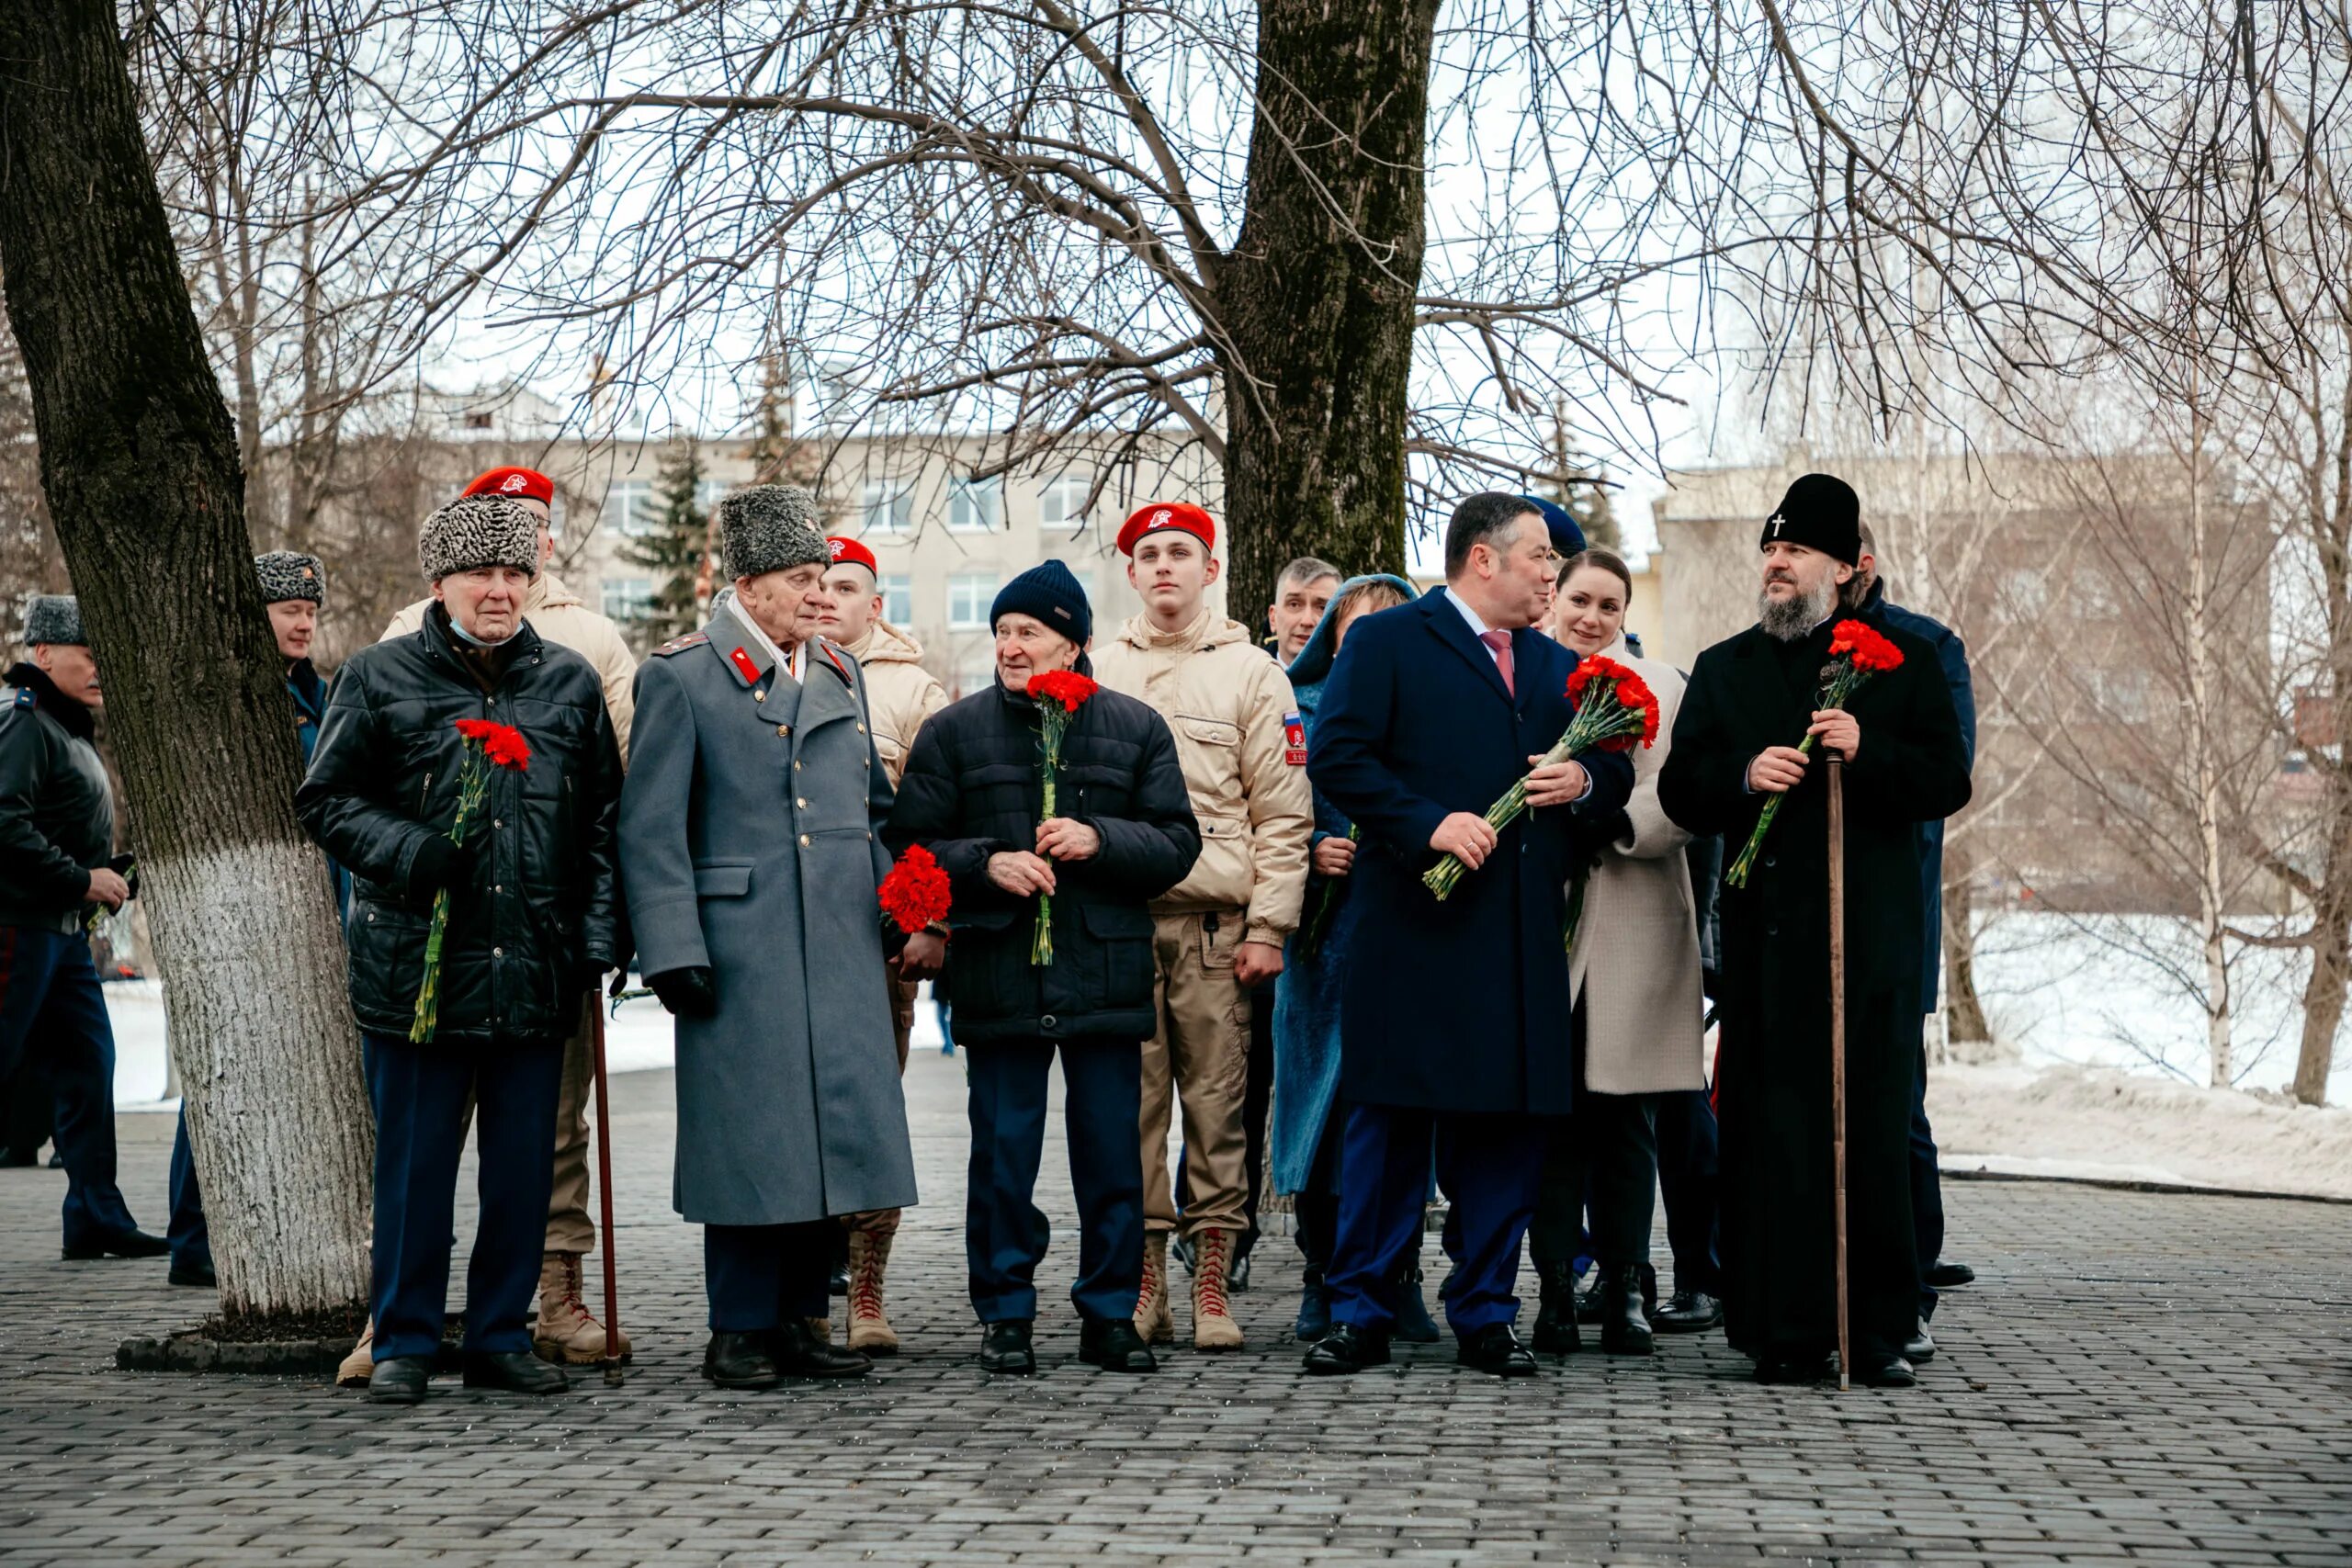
[849, 550]
[516, 484]
[1159, 514]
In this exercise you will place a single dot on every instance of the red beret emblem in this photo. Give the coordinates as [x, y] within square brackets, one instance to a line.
[513, 482]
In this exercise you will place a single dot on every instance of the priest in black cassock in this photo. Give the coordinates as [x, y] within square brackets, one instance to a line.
[1751, 698]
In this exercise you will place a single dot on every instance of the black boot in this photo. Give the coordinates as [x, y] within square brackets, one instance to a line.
[1314, 1308]
[1005, 1346]
[1413, 1325]
[801, 1353]
[517, 1371]
[739, 1361]
[1624, 1326]
[1689, 1311]
[1556, 1315]
[1113, 1345]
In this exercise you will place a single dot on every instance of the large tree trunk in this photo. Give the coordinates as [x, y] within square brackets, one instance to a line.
[1318, 295]
[138, 460]
[1964, 1012]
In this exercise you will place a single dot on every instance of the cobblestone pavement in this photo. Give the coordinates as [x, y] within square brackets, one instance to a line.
[2141, 1377]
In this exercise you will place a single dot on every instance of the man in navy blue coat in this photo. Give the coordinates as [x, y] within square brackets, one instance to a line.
[1454, 1015]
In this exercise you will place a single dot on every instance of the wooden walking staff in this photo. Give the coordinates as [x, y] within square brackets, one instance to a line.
[1836, 1053]
[612, 1362]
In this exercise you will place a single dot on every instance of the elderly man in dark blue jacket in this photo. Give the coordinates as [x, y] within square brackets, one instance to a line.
[1927, 1186]
[1454, 1014]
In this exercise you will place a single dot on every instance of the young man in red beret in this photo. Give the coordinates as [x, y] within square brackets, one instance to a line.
[1221, 930]
[566, 1333]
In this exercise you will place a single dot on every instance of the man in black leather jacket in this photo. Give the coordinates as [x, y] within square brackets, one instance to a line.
[56, 833]
[534, 920]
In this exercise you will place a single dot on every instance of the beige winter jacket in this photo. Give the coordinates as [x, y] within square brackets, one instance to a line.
[1635, 962]
[1230, 705]
[899, 690]
[557, 613]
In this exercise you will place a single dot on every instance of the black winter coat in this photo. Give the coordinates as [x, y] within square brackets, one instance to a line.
[971, 790]
[538, 898]
[56, 807]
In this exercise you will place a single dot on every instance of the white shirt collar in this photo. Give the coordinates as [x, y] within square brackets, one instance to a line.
[791, 663]
[1479, 628]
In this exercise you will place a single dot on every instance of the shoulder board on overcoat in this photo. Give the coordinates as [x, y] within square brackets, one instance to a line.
[680, 644]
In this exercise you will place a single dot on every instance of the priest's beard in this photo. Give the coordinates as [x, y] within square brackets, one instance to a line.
[1786, 620]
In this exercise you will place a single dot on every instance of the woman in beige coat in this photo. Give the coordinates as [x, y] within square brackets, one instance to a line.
[1634, 971]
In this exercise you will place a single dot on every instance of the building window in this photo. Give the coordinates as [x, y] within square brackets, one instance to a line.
[627, 598]
[969, 595]
[480, 422]
[897, 592]
[1062, 504]
[890, 507]
[630, 508]
[976, 506]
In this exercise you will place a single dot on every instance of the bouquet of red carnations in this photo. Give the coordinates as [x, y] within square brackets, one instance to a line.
[1616, 711]
[486, 746]
[916, 894]
[1858, 653]
[1059, 694]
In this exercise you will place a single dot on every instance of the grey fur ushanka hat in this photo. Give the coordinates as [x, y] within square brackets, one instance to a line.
[54, 618]
[289, 574]
[771, 528]
[477, 531]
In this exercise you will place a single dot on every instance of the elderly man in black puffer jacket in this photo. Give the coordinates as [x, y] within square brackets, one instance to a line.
[1126, 834]
[534, 920]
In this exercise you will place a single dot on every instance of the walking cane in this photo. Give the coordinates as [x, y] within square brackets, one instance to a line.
[1836, 1051]
[612, 1362]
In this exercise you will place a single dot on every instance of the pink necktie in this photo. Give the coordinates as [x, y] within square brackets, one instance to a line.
[1500, 643]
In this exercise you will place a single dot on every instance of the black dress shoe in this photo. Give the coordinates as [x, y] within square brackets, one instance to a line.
[199, 1274]
[1883, 1372]
[1624, 1326]
[56, 1160]
[400, 1381]
[801, 1353]
[1555, 1313]
[1948, 1276]
[1005, 1348]
[1113, 1345]
[1348, 1348]
[1688, 1312]
[1496, 1349]
[739, 1361]
[518, 1371]
[1413, 1325]
[1791, 1368]
[837, 1284]
[1920, 1346]
[120, 1244]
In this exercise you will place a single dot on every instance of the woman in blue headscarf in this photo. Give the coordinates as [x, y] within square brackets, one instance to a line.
[1304, 1138]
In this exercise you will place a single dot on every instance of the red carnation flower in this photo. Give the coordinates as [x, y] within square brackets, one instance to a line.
[917, 893]
[1067, 687]
[1862, 643]
[503, 743]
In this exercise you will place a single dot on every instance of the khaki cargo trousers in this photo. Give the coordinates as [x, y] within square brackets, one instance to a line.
[1198, 1056]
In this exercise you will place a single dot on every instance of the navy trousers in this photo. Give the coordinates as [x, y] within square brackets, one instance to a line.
[420, 1094]
[1005, 1234]
[190, 1238]
[1490, 1167]
[757, 1276]
[51, 1009]
[1686, 1180]
[1927, 1186]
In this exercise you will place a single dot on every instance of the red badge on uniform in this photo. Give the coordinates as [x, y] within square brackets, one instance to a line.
[1293, 740]
[744, 667]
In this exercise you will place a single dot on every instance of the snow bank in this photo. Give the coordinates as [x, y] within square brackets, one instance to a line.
[2073, 1121]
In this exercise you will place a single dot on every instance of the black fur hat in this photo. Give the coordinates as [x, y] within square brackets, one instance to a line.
[54, 618]
[771, 528]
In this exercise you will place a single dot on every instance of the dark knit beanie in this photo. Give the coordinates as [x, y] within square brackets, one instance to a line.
[1822, 513]
[1049, 592]
[289, 574]
[475, 531]
[771, 528]
[54, 618]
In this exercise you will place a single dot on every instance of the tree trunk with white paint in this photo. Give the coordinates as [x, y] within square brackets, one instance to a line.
[140, 462]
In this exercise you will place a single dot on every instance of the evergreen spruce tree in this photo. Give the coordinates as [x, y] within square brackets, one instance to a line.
[674, 550]
[1588, 502]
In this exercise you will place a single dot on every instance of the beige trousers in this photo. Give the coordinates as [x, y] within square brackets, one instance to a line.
[1199, 1056]
[569, 1227]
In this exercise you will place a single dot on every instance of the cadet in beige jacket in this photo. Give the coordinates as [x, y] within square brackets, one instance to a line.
[566, 1334]
[901, 695]
[1221, 930]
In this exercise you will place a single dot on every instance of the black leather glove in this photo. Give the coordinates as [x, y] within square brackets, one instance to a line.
[126, 865]
[440, 862]
[592, 971]
[686, 993]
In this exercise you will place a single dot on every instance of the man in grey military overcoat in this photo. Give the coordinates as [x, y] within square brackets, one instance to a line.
[750, 860]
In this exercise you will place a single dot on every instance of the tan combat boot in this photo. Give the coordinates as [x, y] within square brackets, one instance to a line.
[361, 1365]
[1153, 1320]
[567, 1335]
[869, 1259]
[1213, 1324]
